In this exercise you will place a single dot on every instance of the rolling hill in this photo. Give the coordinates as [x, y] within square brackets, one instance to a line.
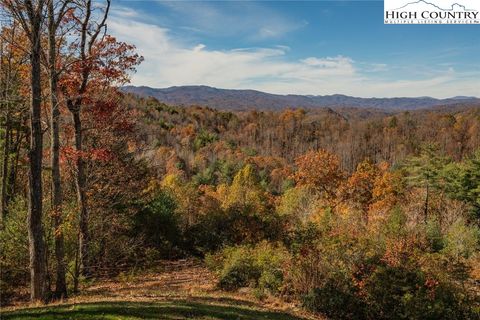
[250, 99]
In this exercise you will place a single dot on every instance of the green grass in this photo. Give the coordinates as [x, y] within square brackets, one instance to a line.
[148, 310]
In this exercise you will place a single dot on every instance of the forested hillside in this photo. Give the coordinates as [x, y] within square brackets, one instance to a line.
[203, 136]
[251, 99]
[391, 199]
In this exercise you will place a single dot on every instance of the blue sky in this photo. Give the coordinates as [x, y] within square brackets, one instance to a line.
[311, 47]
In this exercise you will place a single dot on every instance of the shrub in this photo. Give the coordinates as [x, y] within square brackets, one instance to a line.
[399, 271]
[236, 225]
[393, 292]
[323, 278]
[335, 300]
[158, 224]
[408, 292]
[271, 261]
[461, 240]
[235, 266]
[259, 266]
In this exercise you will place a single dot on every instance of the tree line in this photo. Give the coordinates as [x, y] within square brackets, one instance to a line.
[55, 57]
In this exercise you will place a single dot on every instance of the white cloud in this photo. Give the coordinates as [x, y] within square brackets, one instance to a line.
[125, 12]
[328, 62]
[232, 18]
[199, 47]
[170, 62]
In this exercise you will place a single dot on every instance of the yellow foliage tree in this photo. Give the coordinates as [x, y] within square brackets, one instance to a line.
[186, 196]
[245, 191]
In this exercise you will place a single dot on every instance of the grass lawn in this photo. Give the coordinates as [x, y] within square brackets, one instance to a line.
[179, 290]
[147, 310]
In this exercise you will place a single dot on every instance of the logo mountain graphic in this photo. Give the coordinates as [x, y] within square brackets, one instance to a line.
[454, 7]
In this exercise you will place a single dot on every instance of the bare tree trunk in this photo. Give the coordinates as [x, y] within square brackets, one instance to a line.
[35, 228]
[5, 76]
[5, 161]
[84, 235]
[57, 211]
[76, 271]
[15, 148]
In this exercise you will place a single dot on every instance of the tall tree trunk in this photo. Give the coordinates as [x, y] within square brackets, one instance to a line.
[88, 37]
[57, 211]
[12, 172]
[5, 161]
[35, 228]
[84, 236]
[4, 95]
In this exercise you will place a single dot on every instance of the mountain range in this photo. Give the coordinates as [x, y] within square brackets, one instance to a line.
[229, 99]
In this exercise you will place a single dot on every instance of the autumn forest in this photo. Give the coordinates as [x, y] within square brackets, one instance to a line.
[333, 213]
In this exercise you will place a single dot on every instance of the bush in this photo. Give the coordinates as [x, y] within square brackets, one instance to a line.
[407, 292]
[461, 240]
[383, 291]
[323, 277]
[394, 292]
[271, 261]
[334, 300]
[259, 266]
[398, 271]
[229, 227]
[158, 225]
[239, 270]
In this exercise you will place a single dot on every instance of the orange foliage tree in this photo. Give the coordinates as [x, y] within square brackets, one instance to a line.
[320, 171]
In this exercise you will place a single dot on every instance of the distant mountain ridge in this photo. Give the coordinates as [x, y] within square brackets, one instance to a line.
[251, 99]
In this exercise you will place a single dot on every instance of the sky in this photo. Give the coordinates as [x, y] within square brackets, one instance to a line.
[297, 47]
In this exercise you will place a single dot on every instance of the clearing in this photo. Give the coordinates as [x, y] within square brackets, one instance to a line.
[179, 290]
